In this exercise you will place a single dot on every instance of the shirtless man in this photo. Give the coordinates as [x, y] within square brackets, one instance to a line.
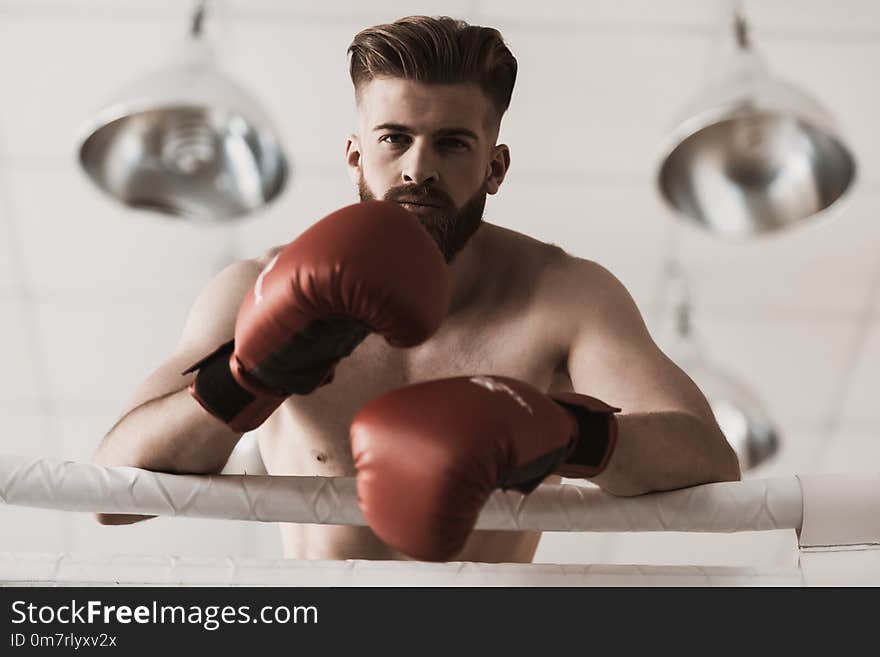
[430, 97]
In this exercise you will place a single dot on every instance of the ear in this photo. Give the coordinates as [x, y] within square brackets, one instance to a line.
[353, 158]
[498, 166]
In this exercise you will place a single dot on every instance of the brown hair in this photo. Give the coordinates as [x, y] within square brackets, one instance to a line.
[439, 50]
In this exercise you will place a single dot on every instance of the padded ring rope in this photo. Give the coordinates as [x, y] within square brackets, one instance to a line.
[751, 505]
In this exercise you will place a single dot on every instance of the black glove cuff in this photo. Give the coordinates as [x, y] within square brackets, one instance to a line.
[216, 389]
[596, 436]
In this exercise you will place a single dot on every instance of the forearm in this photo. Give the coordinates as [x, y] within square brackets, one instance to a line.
[665, 451]
[169, 434]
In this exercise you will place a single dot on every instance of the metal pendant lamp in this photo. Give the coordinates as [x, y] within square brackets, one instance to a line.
[186, 141]
[753, 154]
[743, 419]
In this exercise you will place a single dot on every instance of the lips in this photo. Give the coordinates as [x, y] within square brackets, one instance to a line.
[418, 203]
[422, 206]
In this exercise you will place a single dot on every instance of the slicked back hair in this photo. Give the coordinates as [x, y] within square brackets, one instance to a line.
[435, 50]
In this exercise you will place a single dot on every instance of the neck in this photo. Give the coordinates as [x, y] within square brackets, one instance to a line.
[467, 269]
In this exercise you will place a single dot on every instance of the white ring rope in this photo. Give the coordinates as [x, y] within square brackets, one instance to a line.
[752, 505]
[127, 570]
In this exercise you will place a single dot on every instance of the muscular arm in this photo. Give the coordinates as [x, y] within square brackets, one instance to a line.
[163, 428]
[668, 437]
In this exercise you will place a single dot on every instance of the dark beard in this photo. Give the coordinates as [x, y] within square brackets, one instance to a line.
[450, 227]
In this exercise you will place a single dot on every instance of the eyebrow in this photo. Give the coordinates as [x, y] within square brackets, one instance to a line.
[443, 132]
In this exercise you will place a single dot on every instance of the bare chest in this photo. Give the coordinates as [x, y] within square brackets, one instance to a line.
[309, 435]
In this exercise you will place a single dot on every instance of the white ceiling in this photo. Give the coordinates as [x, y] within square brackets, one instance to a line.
[93, 295]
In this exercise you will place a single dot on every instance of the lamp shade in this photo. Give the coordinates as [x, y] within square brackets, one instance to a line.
[187, 141]
[753, 154]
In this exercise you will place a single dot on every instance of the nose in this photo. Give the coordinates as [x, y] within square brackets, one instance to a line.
[419, 166]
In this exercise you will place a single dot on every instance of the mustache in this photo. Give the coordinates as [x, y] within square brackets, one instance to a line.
[420, 194]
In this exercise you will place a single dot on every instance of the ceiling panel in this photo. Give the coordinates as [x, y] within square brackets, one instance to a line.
[580, 100]
[309, 198]
[56, 92]
[239, 10]
[632, 14]
[612, 225]
[100, 352]
[825, 267]
[10, 281]
[815, 18]
[299, 72]
[76, 239]
[794, 367]
[19, 379]
[28, 433]
[862, 403]
[801, 447]
[78, 432]
[349, 10]
[92, 8]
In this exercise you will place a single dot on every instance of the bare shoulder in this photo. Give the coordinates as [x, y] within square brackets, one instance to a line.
[513, 238]
[529, 256]
[554, 273]
[580, 278]
[235, 279]
[583, 295]
[212, 317]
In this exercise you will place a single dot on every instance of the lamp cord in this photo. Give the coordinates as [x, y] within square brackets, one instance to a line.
[198, 18]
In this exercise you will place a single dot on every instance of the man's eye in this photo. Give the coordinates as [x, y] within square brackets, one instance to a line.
[395, 139]
[453, 144]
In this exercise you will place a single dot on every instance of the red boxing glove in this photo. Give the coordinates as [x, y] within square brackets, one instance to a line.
[367, 267]
[429, 455]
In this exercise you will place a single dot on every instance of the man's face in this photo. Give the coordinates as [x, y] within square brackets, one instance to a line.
[430, 148]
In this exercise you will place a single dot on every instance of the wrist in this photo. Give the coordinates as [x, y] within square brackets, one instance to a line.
[223, 390]
[595, 436]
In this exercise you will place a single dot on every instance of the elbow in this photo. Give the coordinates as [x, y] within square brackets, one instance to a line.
[107, 457]
[726, 462]
[715, 459]
[112, 519]
[119, 518]
[108, 519]
[731, 470]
